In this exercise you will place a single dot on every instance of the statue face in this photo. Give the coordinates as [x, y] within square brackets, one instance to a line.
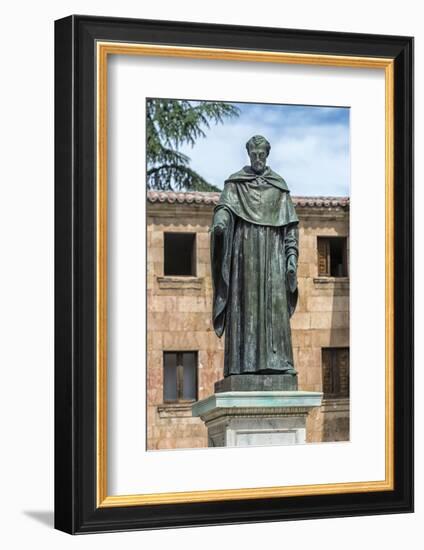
[258, 157]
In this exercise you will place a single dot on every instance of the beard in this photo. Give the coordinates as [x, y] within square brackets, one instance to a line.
[258, 167]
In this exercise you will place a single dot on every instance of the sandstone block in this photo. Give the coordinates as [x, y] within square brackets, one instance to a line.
[314, 376]
[162, 304]
[301, 321]
[303, 269]
[154, 340]
[193, 304]
[203, 256]
[180, 340]
[308, 255]
[327, 303]
[321, 320]
[156, 239]
[155, 254]
[301, 338]
[157, 321]
[203, 240]
[330, 320]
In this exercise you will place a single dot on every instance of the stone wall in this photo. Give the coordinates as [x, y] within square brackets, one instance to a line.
[179, 319]
[321, 319]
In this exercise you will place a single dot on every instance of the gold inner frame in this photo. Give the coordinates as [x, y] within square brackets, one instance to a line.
[104, 49]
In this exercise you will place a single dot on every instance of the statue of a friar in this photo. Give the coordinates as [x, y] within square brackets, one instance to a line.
[254, 251]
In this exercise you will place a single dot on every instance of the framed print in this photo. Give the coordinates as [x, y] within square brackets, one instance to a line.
[234, 274]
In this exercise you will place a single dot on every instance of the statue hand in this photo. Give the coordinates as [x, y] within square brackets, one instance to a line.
[218, 229]
[291, 265]
[292, 273]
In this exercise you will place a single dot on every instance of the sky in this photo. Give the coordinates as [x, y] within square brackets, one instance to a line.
[309, 146]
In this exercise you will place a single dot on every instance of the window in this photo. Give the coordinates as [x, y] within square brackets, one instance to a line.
[180, 254]
[335, 372]
[332, 257]
[179, 376]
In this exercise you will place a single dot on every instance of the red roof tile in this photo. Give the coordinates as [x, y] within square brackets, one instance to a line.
[208, 198]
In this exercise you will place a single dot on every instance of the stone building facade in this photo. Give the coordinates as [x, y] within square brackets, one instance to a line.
[185, 357]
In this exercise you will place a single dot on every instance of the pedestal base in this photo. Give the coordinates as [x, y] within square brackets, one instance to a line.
[239, 419]
[257, 382]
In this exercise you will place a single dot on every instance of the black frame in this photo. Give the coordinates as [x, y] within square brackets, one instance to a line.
[75, 274]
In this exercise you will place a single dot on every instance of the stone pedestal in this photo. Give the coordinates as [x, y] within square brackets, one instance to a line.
[257, 382]
[245, 418]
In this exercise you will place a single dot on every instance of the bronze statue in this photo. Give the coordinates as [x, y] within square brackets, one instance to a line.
[254, 252]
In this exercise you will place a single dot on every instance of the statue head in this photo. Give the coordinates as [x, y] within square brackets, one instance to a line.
[258, 150]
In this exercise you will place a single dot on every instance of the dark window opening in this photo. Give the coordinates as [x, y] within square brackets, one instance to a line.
[180, 254]
[179, 376]
[332, 257]
[335, 372]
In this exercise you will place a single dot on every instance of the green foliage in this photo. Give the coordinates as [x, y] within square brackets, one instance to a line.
[170, 124]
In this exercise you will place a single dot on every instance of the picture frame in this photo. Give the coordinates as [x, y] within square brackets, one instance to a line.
[83, 45]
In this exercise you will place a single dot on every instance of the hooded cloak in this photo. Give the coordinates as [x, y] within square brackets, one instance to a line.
[253, 294]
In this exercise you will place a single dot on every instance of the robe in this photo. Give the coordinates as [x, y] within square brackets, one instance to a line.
[253, 294]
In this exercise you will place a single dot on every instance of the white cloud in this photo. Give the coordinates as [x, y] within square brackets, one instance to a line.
[312, 157]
